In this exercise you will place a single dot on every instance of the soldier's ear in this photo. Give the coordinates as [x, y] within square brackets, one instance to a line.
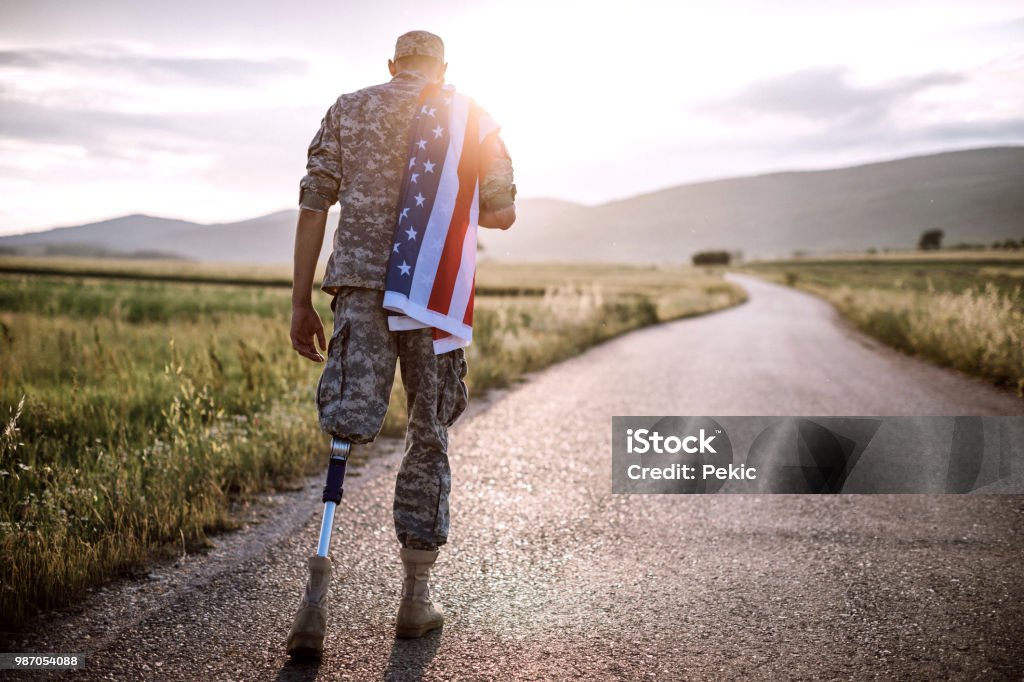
[391, 67]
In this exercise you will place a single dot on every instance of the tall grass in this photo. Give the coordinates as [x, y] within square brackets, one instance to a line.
[129, 437]
[964, 314]
[976, 331]
[133, 413]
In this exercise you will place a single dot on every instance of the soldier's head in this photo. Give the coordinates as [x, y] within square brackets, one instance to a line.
[419, 51]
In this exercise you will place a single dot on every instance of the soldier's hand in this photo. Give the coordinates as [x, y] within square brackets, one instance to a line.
[500, 219]
[306, 326]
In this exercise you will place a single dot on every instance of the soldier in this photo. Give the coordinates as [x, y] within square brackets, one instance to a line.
[357, 157]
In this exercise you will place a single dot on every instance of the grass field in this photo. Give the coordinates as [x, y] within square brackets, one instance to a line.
[959, 309]
[137, 401]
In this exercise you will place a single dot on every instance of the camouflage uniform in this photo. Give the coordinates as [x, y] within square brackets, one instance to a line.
[358, 157]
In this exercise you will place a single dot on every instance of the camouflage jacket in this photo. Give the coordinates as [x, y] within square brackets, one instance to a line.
[357, 158]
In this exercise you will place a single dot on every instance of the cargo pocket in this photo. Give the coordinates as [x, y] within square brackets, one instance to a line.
[454, 395]
[332, 382]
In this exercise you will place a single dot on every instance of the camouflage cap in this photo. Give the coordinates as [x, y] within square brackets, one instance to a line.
[419, 42]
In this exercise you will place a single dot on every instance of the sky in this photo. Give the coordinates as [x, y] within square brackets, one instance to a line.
[204, 110]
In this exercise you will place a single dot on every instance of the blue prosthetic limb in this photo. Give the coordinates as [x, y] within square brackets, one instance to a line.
[333, 490]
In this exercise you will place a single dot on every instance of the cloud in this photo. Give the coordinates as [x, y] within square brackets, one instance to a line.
[77, 97]
[210, 71]
[1008, 30]
[96, 131]
[1010, 130]
[824, 95]
[124, 135]
[886, 140]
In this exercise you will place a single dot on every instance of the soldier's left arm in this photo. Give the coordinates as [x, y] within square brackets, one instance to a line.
[497, 186]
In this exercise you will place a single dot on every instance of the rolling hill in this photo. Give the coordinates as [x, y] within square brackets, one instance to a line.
[974, 196]
[265, 239]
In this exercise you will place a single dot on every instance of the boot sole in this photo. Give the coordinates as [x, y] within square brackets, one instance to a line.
[407, 632]
[306, 646]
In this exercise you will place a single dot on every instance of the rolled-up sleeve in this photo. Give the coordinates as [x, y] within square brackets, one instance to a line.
[497, 186]
[318, 189]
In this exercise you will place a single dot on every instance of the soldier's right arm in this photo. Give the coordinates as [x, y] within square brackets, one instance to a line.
[318, 189]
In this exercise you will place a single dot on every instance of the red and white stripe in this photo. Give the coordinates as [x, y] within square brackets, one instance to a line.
[445, 273]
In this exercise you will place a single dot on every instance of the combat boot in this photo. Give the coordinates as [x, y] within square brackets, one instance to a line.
[307, 636]
[417, 615]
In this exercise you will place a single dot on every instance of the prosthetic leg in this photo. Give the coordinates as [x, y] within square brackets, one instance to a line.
[333, 491]
[306, 638]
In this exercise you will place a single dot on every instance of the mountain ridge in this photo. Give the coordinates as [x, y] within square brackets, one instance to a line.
[974, 195]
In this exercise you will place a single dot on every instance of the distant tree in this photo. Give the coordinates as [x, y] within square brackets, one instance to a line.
[997, 245]
[1011, 244]
[930, 239]
[871, 251]
[711, 258]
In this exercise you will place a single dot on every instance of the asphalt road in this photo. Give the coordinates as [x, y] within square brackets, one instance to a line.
[548, 575]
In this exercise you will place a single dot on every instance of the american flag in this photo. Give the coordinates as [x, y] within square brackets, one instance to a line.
[432, 268]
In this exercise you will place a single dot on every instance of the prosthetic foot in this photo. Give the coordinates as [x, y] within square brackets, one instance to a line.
[417, 615]
[306, 638]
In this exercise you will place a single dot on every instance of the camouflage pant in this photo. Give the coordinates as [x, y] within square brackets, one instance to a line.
[352, 398]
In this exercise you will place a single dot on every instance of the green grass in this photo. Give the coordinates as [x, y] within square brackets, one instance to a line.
[132, 412]
[965, 313]
[142, 270]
